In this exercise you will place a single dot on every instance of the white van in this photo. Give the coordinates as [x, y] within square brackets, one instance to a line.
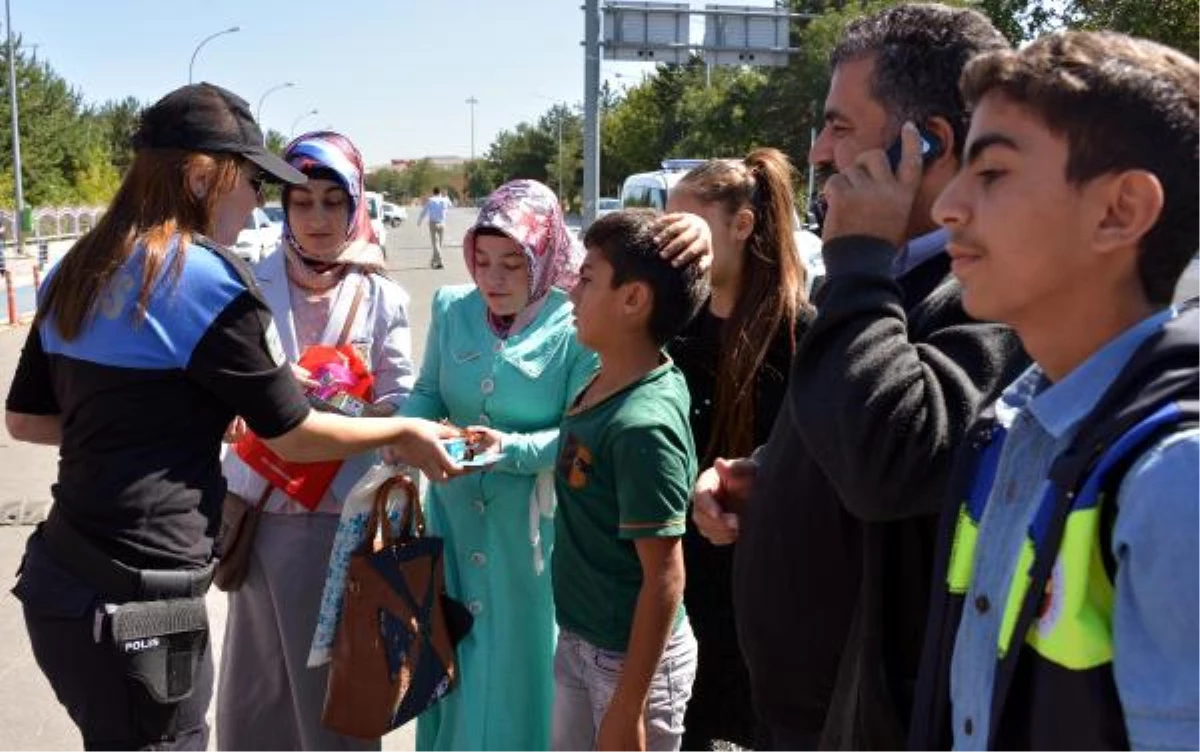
[375, 211]
[650, 189]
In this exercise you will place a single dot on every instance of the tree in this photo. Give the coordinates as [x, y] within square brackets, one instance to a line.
[276, 141]
[719, 119]
[480, 180]
[1175, 23]
[118, 121]
[69, 153]
[678, 111]
[520, 153]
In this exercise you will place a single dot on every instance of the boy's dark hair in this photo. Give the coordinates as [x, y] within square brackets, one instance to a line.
[626, 240]
[1121, 104]
[920, 51]
[437, 190]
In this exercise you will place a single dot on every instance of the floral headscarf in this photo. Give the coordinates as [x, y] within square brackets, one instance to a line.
[528, 212]
[326, 154]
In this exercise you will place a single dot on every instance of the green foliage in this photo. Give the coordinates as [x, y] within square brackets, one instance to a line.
[1175, 23]
[416, 181]
[686, 111]
[70, 153]
[480, 181]
[275, 140]
[117, 122]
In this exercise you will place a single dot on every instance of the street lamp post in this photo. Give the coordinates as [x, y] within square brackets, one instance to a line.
[18, 230]
[277, 87]
[300, 117]
[561, 193]
[472, 101]
[203, 42]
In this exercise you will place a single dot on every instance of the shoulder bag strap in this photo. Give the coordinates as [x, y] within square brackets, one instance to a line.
[352, 313]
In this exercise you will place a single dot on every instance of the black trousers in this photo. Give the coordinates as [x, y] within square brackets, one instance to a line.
[111, 711]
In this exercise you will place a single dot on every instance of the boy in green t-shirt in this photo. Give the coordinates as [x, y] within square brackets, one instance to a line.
[626, 656]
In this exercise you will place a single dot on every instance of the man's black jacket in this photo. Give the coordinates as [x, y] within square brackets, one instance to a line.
[831, 571]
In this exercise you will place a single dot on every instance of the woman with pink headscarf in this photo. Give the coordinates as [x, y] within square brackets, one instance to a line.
[325, 285]
[502, 357]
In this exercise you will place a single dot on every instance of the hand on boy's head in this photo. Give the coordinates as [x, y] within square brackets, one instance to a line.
[684, 239]
[867, 198]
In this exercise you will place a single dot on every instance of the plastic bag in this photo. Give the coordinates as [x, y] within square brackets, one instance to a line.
[351, 530]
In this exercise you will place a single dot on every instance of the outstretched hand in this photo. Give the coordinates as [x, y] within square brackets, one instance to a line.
[420, 445]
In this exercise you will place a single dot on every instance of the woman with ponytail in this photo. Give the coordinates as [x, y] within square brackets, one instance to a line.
[736, 356]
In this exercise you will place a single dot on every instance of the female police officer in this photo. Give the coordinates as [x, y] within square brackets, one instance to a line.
[149, 339]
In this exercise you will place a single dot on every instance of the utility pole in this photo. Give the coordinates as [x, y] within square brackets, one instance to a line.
[591, 110]
[472, 101]
[561, 187]
[16, 135]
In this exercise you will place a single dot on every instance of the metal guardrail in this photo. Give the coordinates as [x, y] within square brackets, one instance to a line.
[49, 224]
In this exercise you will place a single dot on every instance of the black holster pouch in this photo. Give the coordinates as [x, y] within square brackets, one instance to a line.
[160, 643]
[154, 619]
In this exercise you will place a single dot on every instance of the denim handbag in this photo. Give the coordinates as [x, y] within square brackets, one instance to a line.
[393, 654]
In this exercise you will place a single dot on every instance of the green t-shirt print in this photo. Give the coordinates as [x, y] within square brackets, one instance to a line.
[625, 471]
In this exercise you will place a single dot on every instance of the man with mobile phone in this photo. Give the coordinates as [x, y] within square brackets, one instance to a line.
[832, 565]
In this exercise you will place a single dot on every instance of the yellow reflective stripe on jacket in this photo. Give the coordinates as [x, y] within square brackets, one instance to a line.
[1016, 596]
[962, 554]
[1074, 625]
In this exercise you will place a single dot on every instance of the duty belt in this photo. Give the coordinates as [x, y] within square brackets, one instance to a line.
[113, 578]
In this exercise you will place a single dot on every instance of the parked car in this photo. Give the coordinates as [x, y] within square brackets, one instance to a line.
[275, 213]
[607, 206]
[375, 211]
[650, 189]
[258, 237]
[393, 215]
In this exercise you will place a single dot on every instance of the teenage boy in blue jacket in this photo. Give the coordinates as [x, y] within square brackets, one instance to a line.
[1065, 604]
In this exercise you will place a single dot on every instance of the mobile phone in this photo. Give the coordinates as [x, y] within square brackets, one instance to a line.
[931, 148]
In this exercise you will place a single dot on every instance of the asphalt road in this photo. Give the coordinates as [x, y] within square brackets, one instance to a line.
[30, 716]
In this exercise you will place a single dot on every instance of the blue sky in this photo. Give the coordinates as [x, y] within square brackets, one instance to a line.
[393, 75]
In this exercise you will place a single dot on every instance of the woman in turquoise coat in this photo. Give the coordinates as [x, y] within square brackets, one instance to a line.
[502, 357]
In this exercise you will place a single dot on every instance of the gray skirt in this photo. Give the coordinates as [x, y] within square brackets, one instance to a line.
[267, 696]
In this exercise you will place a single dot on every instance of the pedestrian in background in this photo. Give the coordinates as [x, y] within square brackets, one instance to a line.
[735, 354]
[325, 277]
[150, 338]
[435, 209]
